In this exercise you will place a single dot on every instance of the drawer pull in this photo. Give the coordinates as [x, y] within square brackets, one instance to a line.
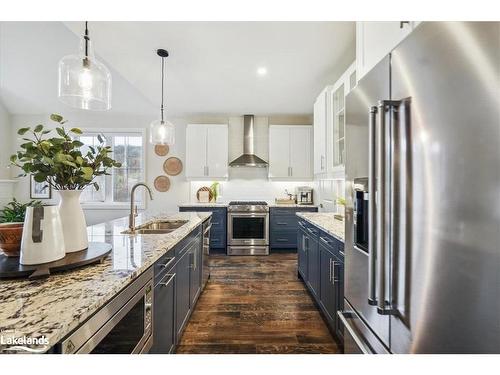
[215, 222]
[169, 260]
[282, 239]
[325, 240]
[281, 223]
[171, 277]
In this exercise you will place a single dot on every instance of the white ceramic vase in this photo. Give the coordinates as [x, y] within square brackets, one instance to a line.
[42, 239]
[73, 221]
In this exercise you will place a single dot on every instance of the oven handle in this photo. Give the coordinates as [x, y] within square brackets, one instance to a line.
[249, 214]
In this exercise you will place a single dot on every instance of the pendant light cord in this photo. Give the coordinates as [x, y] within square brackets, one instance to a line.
[86, 37]
[162, 83]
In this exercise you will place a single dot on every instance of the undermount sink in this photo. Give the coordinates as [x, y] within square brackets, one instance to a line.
[157, 227]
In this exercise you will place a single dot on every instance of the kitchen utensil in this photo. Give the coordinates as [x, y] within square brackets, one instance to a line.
[204, 188]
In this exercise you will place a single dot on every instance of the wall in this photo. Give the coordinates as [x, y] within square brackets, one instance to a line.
[327, 192]
[5, 143]
[244, 183]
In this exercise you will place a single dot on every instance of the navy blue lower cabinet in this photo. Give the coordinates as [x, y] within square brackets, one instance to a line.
[283, 226]
[321, 266]
[182, 300]
[218, 231]
[313, 266]
[302, 239]
[164, 315]
[327, 284]
[194, 271]
[339, 295]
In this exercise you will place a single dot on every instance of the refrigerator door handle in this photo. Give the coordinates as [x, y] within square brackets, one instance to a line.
[400, 191]
[372, 297]
[381, 205]
[384, 209]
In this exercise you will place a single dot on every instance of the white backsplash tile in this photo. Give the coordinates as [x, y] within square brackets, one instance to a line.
[245, 184]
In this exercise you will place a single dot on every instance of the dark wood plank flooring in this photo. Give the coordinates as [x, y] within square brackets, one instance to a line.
[256, 305]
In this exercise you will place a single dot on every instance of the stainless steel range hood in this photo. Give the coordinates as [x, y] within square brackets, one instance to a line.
[248, 159]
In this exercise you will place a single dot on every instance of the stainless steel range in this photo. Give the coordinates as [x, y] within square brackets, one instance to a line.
[248, 228]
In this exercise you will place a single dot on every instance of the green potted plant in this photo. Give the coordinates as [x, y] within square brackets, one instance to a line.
[62, 162]
[340, 205]
[11, 226]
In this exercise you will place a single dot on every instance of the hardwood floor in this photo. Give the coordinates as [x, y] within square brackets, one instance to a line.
[256, 305]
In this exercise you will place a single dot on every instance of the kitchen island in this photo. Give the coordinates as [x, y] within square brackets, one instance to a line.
[55, 306]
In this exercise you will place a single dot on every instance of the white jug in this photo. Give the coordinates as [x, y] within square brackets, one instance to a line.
[42, 239]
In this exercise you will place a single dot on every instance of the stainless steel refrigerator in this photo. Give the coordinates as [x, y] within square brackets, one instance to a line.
[422, 240]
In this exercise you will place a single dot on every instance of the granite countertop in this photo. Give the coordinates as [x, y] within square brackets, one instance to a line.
[325, 221]
[292, 205]
[199, 204]
[269, 203]
[55, 306]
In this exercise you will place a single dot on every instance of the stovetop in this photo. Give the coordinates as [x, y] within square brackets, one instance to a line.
[248, 203]
[248, 206]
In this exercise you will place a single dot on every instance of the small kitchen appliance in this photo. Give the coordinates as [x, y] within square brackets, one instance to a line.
[304, 194]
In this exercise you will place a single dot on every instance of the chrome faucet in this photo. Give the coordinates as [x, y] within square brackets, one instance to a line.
[133, 207]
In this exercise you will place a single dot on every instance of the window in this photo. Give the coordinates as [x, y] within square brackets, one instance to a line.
[128, 149]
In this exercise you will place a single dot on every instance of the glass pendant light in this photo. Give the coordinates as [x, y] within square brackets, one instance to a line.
[162, 132]
[84, 82]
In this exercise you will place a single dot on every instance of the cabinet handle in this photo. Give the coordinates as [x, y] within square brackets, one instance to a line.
[170, 260]
[326, 241]
[281, 240]
[322, 161]
[281, 223]
[171, 277]
[334, 280]
[312, 231]
[208, 170]
[330, 269]
[216, 223]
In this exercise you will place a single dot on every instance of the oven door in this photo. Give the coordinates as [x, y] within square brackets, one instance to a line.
[248, 228]
[123, 326]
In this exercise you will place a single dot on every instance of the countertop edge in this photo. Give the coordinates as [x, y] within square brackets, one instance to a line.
[316, 224]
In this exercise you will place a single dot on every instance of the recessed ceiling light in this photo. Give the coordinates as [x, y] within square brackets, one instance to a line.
[262, 71]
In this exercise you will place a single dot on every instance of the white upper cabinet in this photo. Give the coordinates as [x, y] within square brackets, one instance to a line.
[322, 115]
[206, 151]
[301, 152]
[374, 40]
[290, 152]
[329, 126]
[336, 143]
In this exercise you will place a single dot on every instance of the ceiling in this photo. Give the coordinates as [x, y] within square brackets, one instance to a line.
[212, 67]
